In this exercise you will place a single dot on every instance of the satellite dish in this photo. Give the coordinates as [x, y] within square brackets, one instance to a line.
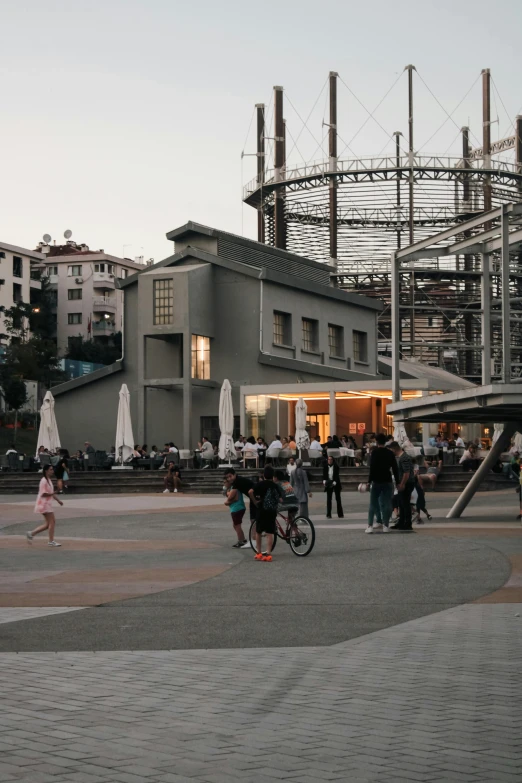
[46, 237]
[67, 234]
[46, 249]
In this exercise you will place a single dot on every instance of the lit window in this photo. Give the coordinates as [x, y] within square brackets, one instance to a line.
[310, 335]
[74, 271]
[74, 293]
[163, 302]
[360, 346]
[200, 357]
[74, 318]
[336, 340]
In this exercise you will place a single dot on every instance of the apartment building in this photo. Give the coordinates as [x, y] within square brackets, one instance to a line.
[18, 276]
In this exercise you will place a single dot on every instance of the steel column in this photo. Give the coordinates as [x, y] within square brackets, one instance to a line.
[332, 152]
[279, 165]
[486, 135]
[506, 326]
[260, 152]
[492, 456]
[333, 414]
[410, 69]
[395, 328]
[485, 297]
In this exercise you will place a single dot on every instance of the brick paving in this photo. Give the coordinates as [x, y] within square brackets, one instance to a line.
[434, 699]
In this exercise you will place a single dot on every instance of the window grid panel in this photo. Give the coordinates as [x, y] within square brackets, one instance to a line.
[279, 328]
[74, 318]
[163, 302]
[335, 340]
[359, 346]
[200, 357]
[308, 335]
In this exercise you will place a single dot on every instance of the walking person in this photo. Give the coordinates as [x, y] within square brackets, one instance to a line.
[299, 481]
[421, 502]
[404, 488]
[44, 505]
[332, 485]
[383, 466]
[236, 504]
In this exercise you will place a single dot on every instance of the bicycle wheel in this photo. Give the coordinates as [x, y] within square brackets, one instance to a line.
[302, 537]
[252, 539]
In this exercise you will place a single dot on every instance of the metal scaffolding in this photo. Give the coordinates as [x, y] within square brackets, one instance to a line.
[354, 213]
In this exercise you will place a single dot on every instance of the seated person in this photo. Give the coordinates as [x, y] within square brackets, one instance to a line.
[172, 480]
[315, 445]
[429, 479]
[285, 443]
[291, 442]
[469, 460]
[512, 468]
[206, 450]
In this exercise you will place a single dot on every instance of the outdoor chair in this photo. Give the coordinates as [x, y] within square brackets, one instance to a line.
[186, 455]
[45, 459]
[284, 456]
[431, 451]
[253, 455]
[13, 462]
[4, 462]
[335, 453]
[272, 454]
[172, 457]
[315, 456]
[209, 459]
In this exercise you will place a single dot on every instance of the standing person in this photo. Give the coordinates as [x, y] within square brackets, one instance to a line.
[332, 485]
[236, 504]
[299, 481]
[61, 471]
[404, 487]
[268, 496]
[44, 505]
[382, 466]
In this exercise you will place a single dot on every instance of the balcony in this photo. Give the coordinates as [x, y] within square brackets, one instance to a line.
[103, 328]
[103, 304]
[53, 279]
[103, 280]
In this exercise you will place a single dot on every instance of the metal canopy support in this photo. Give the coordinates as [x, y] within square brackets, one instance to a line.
[410, 69]
[395, 329]
[332, 152]
[279, 166]
[398, 135]
[486, 134]
[260, 151]
[485, 303]
[506, 326]
[492, 457]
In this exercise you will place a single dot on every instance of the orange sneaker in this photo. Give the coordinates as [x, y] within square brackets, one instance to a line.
[267, 558]
[259, 556]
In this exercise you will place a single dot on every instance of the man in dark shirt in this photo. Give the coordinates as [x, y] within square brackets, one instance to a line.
[244, 485]
[382, 465]
[404, 487]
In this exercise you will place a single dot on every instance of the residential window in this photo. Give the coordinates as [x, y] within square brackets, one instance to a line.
[163, 301]
[360, 346]
[17, 266]
[74, 318]
[200, 357]
[310, 331]
[209, 428]
[17, 293]
[336, 340]
[52, 270]
[282, 328]
[53, 297]
[124, 273]
[74, 293]
[74, 271]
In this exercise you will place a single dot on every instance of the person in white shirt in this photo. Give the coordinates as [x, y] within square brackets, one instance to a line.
[315, 445]
[206, 447]
[459, 443]
[11, 450]
[291, 466]
[251, 445]
[240, 442]
[276, 443]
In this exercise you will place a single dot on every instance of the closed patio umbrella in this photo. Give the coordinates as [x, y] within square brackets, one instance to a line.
[401, 437]
[302, 441]
[124, 438]
[226, 422]
[48, 433]
[498, 429]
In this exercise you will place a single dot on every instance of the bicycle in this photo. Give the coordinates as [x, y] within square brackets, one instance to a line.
[299, 534]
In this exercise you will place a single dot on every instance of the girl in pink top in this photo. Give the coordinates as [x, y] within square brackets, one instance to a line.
[44, 505]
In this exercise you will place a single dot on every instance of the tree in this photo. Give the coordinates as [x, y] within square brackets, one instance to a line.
[93, 351]
[42, 319]
[15, 395]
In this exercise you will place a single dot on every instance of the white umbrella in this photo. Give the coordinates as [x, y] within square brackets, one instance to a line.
[401, 437]
[226, 422]
[302, 441]
[517, 443]
[124, 438]
[48, 433]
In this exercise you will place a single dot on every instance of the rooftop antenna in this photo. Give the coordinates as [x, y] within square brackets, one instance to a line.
[46, 238]
[67, 234]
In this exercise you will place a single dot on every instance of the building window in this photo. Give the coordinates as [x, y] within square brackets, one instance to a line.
[53, 297]
[336, 340]
[17, 293]
[163, 301]
[74, 271]
[124, 273]
[282, 328]
[104, 268]
[360, 346]
[74, 318]
[310, 330]
[52, 270]
[17, 266]
[210, 428]
[200, 357]
[74, 293]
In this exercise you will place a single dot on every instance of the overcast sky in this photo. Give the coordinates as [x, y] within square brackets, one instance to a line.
[123, 119]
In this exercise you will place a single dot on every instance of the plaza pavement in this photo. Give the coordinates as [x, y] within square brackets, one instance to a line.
[147, 649]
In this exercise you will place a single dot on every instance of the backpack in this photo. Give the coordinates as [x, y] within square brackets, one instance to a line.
[271, 499]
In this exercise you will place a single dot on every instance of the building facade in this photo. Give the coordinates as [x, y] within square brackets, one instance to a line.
[18, 276]
[220, 307]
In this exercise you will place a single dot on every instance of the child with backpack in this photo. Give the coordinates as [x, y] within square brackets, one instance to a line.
[268, 495]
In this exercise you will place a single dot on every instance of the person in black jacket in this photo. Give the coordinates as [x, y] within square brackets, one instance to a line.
[382, 465]
[332, 484]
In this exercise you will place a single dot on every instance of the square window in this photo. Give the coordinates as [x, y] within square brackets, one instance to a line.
[75, 293]
[75, 270]
[17, 293]
[17, 266]
[360, 346]
[163, 301]
[74, 318]
[52, 270]
[310, 335]
[336, 340]
[200, 357]
[282, 328]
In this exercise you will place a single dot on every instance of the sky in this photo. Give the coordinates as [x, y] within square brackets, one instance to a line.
[122, 119]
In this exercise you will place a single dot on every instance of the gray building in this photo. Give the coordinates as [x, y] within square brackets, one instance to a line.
[220, 307]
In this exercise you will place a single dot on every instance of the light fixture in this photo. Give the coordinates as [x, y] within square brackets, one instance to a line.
[36, 309]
